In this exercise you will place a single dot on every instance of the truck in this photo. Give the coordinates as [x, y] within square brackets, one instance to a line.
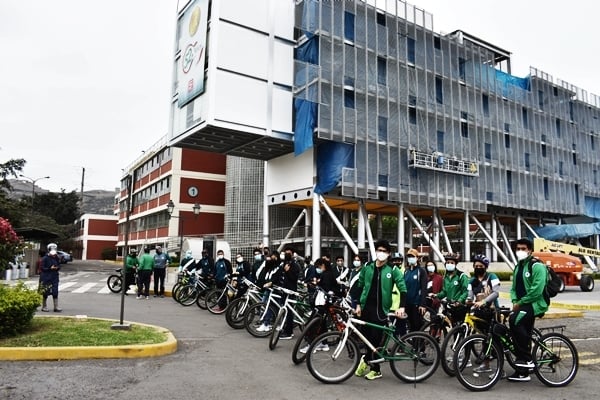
[563, 259]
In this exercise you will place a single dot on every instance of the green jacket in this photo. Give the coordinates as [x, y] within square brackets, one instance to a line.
[534, 285]
[131, 262]
[146, 263]
[389, 276]
[455, 287]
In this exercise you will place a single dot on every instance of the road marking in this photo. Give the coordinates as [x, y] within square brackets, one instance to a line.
[84, 288]
[65, 285]
[590, 361]
[104, 290]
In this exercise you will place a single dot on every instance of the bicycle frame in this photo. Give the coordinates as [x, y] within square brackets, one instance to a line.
[291, 304]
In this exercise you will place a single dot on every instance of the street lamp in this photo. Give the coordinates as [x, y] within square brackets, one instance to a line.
[33, 181]
[170, 208]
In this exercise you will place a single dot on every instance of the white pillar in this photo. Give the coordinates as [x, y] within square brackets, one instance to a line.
[494, 255]
[265, 239]
[346, 224]
[361, 228]
[436, 232]
[307, 232]
[401, 232]
[518, 230]
[316, 236]
[466, 256]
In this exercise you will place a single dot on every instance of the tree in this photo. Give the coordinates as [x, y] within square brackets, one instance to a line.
[62, 207]
[10, 168]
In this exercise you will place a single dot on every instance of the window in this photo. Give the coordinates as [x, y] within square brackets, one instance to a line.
[439, 90]
[349, 98]
[557, 123]
[592, 144]
[381, 19]
[509, 188]
[577, 194]
[489, 196]
[412, 115]
[348, 81]
[546, 189]
[507, 140]
[464, 129]
[574, 154]
[349, 26]
[541, 99]
[527, 165]
[485, 103]
[440, 141]
[555, 91]
[464, 115]
[382, 128]
[488, 151]
[382, 180]
[595, 176]
[560, 169]
[410, 50]
[571, 111]
[437, 43]
[506, 127]
[467, 181]
[381, 71]
[412, 100]
[543, 149]
[461, 68]
[525, 118]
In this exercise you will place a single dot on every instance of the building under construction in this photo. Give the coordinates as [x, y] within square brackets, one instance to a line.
[351, 111]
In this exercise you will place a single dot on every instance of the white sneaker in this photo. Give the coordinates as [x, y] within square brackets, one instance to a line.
[261, 328]
[322, 347]
[304, 350]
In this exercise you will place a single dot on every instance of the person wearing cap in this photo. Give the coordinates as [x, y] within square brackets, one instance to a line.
[145, 266]
[131, 264]
[49, 277]
[377, 279]
[484, 288]
[161, 262]
[416, 290]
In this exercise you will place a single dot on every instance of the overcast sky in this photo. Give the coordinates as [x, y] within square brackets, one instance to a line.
[87, 84]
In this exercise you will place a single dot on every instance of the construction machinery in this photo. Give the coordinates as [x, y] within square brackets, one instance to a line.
[564, 259]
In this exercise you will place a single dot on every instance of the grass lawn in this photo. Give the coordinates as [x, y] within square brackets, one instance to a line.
[67, 331]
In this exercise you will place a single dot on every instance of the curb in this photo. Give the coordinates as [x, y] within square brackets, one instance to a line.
[563, 310]
[90, 352]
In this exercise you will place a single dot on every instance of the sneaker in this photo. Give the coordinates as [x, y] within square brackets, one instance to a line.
[482, 369]
[286, 336]
[147, 298]
[304, 350]
[524, 364]
[162, 296]
[45, 309]
[155, 295]
[139, 297]
[262, 328]
[362, 368]
[519, 377]
[322, 347]
[469, 364]
[372, 375]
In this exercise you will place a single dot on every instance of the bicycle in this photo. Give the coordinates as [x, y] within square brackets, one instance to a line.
[189, 293]
[115, 282]
[439, 322]
[217, 296]
[300, 310]
[234, 315]
[329, 315]
[554, 355]
[257, 314]
[416, 351]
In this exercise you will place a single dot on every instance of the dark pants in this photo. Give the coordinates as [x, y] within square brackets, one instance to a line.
[222, 301]
[49, 285]
[129, 278]
[288, 326]
[415, 320]
[521, 325]
[144, 283]
[373, 335]
[159, 281]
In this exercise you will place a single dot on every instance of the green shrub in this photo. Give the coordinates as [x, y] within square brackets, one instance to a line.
[109, 253]
[17, 307]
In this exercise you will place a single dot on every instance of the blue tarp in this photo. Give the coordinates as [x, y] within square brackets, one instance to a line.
[332, 157]
[306, 121]
[561, 232]
[505, 80]
[592, 207]
[309, 50]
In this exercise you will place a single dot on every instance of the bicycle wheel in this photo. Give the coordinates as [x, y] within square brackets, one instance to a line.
[451, 341]
[277, 328]
[419, 357]
[487, 361]
[234, 315]
[311, 330]
[338, 363]
[188, 295]
[115, 283]
[253, 319]
[536, 334]
[556, 359]
[201, 300]
[175, 289]
[213, 298]
[437, 327]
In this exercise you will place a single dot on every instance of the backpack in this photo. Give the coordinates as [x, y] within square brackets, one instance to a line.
[553, 283]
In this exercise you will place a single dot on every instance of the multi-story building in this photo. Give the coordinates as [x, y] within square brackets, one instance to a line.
[96, 233]
[360, 108]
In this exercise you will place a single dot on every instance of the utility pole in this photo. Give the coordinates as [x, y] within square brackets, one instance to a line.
[82, 180]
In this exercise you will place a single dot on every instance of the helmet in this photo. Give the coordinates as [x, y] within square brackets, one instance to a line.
[482, 259]
[452, 257]
[52, 246]
[188, 253]
[397, 256]
[133, 250]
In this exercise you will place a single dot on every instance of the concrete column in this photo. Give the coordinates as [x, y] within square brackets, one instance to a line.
[466, 256]
[401, 226]
[316, 218]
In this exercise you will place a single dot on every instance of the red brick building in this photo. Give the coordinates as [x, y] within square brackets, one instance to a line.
[96, 232]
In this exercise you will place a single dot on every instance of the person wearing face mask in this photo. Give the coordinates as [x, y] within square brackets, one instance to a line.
[222, 269]
[49, 277]
[161, 262]
[526, 293]
[353, 288]
[258, 264]
[435, 282]
[341, 272]
[287, 276]
[454, 289]
[187, 263]
[206, 265]
[416, 290]
[484, 287]
[377, 279]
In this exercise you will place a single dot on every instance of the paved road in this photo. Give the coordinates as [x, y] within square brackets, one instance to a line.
[217, 362]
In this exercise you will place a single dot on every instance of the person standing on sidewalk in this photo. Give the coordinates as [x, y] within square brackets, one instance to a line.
[161, 262]
[49, 278]
[131, 264]
[146, 264]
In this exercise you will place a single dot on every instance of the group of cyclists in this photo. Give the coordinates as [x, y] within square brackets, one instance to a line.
[408, 284]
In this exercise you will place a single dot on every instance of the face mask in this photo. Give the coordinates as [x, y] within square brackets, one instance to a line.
[430, 268]
[340, 263]
[479, 272]
[220, 257]
[318, 270]
[239, 259]
[521, 254]
[282, 256]
[288, 256]
[411, 260]
[52, 252]
[257, 257]
[450, 267]
[381, 256]
[356, 263]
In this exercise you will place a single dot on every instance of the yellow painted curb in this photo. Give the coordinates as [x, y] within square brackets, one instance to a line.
[82, 352]
[568, 306]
